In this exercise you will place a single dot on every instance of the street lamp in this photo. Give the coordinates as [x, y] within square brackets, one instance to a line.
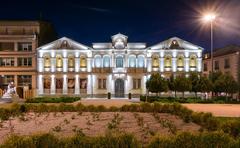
[210, 17]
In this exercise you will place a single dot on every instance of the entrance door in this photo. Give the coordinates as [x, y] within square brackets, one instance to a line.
[119, 88]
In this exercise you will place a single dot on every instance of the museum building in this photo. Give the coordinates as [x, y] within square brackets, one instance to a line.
[66, 67]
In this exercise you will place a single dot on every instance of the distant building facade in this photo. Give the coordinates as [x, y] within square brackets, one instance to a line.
[226, 60]
[18, 43]
[66, 67]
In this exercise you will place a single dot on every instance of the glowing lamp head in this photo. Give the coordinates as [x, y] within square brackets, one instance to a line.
[209, 17]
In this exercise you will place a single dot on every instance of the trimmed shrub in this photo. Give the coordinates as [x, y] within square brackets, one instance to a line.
[189, 140]
[53, 100]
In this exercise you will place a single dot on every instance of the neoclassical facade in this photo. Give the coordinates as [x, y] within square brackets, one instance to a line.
[66, 67]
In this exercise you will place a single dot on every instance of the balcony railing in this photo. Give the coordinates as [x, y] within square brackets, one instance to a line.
[136, 70]
[102, 70]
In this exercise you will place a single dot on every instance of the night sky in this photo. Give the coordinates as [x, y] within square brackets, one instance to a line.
[149, 21]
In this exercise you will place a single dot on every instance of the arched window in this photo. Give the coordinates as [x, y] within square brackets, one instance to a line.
[119, 61]
[180, 62]
[83, 62]
[192, 62]
[155, 61]
[131, 61]
[168, 61]
[59, 61]
[141, 62]
[106, 61]
[47, 61]
[98, 61]
[71, 62]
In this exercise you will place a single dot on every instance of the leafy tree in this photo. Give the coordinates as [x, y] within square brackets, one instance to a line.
[156, 84]
[194, 78]
[204, 84]
[217, 80]
[183, 84]
[172, 85]
[230, 85]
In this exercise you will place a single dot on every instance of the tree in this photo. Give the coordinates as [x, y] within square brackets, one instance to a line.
[172, 85]
[183, 84]
[230, 85]
[194, 79]
[156, 84]
[204, 85]
[216, 79]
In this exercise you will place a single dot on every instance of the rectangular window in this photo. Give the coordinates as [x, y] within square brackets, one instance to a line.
[5, 80]
[8, 61]
[205, 68]
[226, 63]
[24, 61]
[101, 83]
[136, 83]
[216, 65]
[25, 46]
[25, 80]
[8, 46]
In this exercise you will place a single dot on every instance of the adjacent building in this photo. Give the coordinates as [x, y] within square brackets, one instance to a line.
[18, 43]
[66, 67]
[226, 60]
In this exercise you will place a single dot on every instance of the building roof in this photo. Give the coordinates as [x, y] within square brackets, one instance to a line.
[229, 49]
[63, 43]
[175, 43]
[20, 22]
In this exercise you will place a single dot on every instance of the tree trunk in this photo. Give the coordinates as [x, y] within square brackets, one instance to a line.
[195, 94]
[183, 94]
[175, 93]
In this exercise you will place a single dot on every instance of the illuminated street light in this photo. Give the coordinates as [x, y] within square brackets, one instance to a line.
[210, 17]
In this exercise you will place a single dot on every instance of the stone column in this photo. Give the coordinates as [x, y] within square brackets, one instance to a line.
[53, 85]
[40, 64]
[65, 64]
[77, 85]
[149, 64]
[77, 64]
[65, 86]
[186, 62]
[174, 64]
[53, 64]
[199, 64]
[40, 84]
[161, 64]
[89, 64]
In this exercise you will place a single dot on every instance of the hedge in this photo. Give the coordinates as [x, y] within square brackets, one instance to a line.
[218, 100]
[180, 140]
[53, 100]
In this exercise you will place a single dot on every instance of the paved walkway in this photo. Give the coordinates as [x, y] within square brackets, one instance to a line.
[221, 110]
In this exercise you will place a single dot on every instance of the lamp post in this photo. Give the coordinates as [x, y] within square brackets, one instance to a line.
[210, 17]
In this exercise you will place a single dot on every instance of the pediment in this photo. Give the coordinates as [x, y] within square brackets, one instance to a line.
[176, 43]
[64, 43]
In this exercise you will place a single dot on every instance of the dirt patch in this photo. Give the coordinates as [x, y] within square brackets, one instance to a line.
[142, 125]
